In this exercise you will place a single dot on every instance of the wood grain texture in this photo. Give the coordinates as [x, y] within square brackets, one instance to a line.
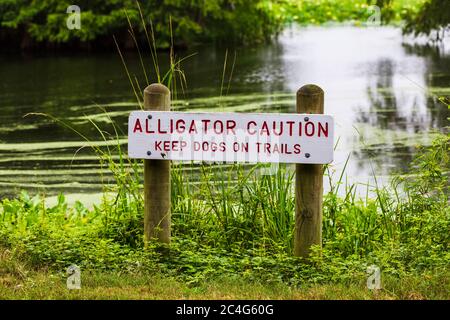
[157, 203]
[308, 183]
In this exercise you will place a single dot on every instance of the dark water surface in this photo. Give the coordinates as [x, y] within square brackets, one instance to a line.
[381, 88]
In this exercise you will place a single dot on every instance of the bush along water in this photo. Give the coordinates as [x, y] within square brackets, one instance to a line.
[229, 220]
[28, 24]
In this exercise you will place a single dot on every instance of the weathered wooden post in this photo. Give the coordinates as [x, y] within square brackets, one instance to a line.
[157, 176]
[308, 183]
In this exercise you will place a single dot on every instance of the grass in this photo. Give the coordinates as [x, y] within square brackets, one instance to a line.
[232, 223]
[19, 282]
[232, 233]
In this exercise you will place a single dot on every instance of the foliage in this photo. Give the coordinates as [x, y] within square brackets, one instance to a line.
[189, 22]
[434, 16]
[429, 17]
[233, 221]
[19, 281]
[185, 20]
[307, 12]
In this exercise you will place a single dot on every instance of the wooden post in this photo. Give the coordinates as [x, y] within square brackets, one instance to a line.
[157, 176]
[308, 183]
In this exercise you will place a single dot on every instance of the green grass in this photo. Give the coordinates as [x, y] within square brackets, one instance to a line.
[232, 232]
[18, 281]
[232, 223]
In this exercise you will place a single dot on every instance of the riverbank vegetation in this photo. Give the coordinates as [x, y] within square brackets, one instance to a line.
[30, 24]
[19, 281]
[234, 222]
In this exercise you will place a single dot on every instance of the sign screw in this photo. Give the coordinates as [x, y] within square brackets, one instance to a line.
[163, 155]
[306, 119]
[307, 155]
[149, 116]
[149, 153]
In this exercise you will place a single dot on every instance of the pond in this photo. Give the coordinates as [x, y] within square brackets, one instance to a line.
[381, 88]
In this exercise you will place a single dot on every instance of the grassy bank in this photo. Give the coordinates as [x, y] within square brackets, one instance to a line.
[19, 281]
[232, 222]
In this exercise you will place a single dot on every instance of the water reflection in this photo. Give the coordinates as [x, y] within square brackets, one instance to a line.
[437, 59]
[382, 92]
[404, 109]
[383, 105]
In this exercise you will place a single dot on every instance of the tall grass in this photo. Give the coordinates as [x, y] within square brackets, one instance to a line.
[230, 218]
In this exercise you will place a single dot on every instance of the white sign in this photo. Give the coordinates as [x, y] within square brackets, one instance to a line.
[231, 137]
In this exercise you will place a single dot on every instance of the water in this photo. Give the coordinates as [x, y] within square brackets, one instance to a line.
[381, 88]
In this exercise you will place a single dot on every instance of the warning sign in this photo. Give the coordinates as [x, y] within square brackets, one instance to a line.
[231, 137]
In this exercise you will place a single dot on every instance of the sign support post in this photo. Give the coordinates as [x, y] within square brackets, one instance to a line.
[305, 138]
[308, 183]
[157, 176]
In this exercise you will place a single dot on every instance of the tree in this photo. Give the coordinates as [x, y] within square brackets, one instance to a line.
[184, 21]
[433, 17]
